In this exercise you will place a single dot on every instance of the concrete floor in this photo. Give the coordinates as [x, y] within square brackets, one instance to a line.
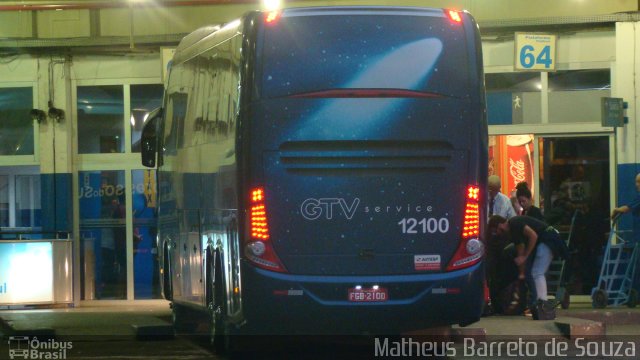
[117, 328]
[117, 320]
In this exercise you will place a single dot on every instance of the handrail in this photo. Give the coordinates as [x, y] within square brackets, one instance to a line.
[43, 240]
[20, 234]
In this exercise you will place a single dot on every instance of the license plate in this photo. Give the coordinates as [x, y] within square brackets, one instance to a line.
[368, 295]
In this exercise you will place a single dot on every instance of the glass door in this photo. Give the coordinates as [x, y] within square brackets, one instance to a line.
[575, 198]
[116, 197]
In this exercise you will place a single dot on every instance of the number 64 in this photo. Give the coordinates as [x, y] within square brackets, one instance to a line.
[527, 58]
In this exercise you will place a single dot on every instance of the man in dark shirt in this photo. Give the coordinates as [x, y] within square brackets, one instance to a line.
[633, 206]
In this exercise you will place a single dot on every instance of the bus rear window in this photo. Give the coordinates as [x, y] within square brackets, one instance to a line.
[307, 54]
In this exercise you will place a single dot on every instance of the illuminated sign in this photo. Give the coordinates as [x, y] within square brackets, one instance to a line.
[535, 51]
[26, 272]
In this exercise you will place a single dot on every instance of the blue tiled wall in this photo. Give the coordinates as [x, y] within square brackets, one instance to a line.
[57, 202]
[627, 192]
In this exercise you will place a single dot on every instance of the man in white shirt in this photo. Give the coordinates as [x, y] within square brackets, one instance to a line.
[499, 203]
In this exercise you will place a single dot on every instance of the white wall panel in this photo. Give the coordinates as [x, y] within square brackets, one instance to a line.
[116, 67]
[63, 24]
[531, 110]
[174, 20]
[626, 76]
[589, 46]
[18, 68]
[15, 24]
[519, 9]
[576, 106]
[496, 53]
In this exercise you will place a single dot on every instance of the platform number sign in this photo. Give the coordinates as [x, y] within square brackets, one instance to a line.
[535, 51]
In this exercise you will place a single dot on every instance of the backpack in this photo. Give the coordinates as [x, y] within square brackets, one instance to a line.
[544, 310]
[552, 239]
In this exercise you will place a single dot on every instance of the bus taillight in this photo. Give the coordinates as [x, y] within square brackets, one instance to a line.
[470, 249]
[454, 15]
[259, 249]
[271, 17]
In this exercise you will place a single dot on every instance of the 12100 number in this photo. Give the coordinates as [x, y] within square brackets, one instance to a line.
[424, 225]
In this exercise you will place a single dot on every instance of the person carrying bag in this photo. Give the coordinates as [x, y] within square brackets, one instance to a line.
[553, 240]
[536, 244]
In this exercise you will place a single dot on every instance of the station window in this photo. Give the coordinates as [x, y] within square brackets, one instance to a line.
[513, 98]
[4, 201]
[100, 119]
[101, 113]
[15, 121]
[574, 96]
[20, 205]
[28, 208]
[145, 260]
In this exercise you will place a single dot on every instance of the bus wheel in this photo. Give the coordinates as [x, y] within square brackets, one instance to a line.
[166, 274]
[180, 319]
[217, 310]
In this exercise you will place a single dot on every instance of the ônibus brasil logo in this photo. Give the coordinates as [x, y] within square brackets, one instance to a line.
[24, 347]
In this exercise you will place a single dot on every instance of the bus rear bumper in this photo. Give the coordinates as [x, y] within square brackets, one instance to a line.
[299, 304]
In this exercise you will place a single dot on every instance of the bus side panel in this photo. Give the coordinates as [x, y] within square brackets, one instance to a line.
[180, 186]
[198, 215]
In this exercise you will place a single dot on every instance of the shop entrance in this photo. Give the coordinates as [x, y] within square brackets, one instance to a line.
[570, 178]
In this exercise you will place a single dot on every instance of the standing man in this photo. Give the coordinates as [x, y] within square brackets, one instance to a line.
[633, 206]
[499, 203]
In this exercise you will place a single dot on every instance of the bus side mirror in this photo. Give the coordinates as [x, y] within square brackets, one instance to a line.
[149, 139]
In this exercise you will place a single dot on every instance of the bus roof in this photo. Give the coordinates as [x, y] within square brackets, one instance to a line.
[207, 36]
[196, 36]
[203, 39]
[341, 10]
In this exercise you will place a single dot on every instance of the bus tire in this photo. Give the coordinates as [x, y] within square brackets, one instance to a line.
[218, 335]
[180, 319]
[166, 274]
[468, 322]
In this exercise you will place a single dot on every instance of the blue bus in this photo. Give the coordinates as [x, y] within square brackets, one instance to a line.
[320, 171]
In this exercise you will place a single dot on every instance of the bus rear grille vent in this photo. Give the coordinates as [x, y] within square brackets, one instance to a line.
[365, 157]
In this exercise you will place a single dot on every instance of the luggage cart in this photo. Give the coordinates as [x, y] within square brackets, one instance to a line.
[556, 274]
[615, 283]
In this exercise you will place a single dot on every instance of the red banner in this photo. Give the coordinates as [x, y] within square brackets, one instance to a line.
[520, 157]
